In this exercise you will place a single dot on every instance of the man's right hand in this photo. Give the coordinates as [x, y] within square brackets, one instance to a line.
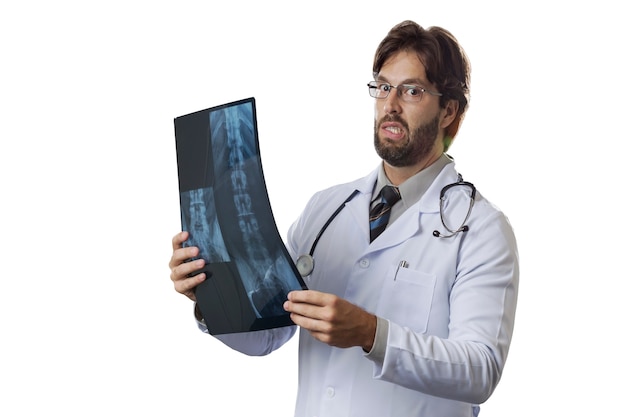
[181, 269]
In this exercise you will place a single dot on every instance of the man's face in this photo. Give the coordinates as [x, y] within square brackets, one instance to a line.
[407, 133]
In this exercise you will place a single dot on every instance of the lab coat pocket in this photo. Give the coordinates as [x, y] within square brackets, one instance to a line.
[406, 298]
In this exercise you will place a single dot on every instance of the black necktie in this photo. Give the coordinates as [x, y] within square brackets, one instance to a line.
[379, 215]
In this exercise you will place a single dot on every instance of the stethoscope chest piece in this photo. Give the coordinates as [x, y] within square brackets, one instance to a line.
[305, 264]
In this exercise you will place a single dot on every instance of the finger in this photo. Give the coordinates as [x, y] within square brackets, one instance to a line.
[178, 239]
[183, 270]
[308, 311]
[306, 322]
[179, 253]
[188, 285]
[319, 329]
[308, 297]
[183, 255]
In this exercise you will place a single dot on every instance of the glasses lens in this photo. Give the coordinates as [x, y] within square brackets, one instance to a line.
[373, 89]
[379, 90]
[411, 92]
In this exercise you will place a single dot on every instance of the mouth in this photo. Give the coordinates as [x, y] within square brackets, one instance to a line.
[392, 130]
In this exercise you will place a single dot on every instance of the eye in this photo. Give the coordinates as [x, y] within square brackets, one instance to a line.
[412, 90]
[384, 87]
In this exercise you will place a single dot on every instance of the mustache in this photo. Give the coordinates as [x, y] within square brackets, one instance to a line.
[393, 118]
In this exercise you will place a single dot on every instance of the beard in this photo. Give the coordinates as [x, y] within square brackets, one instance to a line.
[414, 149]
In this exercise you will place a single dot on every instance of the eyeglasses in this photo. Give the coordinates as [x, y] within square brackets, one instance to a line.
[407, 92]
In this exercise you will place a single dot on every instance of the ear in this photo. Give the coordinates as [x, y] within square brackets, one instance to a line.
[450, 122]
[448, 116]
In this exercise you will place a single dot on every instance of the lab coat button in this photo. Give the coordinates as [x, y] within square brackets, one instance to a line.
[364, 263]
[330, 392]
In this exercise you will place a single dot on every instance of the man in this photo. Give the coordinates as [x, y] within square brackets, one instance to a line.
[418, 320]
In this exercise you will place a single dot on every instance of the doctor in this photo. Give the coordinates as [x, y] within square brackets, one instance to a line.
[419, 320]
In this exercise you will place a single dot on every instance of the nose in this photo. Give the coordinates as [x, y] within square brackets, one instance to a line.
[392, 102]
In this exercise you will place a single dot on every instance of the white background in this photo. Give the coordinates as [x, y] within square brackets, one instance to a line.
[90, 323]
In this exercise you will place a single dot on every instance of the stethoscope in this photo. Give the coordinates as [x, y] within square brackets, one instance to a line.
[464, 227]
[306, 263]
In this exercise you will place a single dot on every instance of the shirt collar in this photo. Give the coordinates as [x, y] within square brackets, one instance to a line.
[414, 187]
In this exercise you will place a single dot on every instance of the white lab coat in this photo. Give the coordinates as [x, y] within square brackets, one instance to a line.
[450, 312]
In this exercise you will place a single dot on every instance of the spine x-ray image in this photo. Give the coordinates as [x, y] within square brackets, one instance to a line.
[225, 208]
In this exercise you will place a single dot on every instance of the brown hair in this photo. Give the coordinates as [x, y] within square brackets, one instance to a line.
[447, 66]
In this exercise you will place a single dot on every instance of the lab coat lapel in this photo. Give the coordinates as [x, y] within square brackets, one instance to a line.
[358, 207]
[399, 231]
[430, 200]
[408, 224]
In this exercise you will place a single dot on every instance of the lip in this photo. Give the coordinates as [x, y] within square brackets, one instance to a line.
[392, 130]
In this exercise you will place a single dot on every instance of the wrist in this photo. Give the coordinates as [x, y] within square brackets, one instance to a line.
[370, 333]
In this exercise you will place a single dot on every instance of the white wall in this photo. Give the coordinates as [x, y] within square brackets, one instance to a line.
[89, 319]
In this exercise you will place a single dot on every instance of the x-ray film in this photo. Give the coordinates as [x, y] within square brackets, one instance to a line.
[226, 210]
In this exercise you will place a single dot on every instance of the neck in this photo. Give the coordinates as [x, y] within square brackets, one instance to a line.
[397, 175]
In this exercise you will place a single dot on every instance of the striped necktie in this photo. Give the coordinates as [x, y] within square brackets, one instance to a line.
[379, 215]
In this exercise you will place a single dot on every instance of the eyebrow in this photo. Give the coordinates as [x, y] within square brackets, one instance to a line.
[410, 81]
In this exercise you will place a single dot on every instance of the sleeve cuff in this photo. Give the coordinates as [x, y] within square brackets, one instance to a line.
[377, 354]
[199, 319]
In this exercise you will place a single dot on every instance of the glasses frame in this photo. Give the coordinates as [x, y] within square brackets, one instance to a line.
[401, 89]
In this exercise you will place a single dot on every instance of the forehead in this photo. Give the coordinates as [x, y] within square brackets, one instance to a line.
[403, 67]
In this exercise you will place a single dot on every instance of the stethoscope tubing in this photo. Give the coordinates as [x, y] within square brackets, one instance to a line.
[306, 263]
[330, 220]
